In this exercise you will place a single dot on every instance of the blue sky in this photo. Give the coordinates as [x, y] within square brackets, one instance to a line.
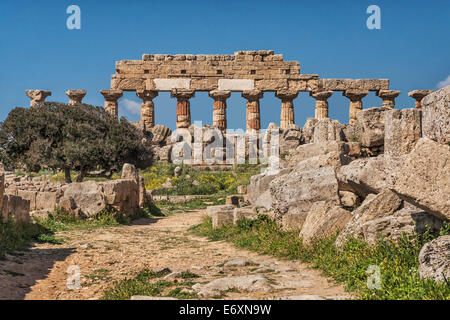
[328, 38]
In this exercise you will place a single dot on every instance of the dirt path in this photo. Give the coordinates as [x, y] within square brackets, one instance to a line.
[108, 254]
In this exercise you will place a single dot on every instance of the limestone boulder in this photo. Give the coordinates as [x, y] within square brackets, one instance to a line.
[434, 259]
[436, 115]
[371, 121]
[349, 199]
[297, 191]
[15, 208]
[292, 220]
[403, 128]
[308, 129]
[310, 150]
[408, 220]
[221, 215]
[258, 190]
[83, 198]
[160, 135]
[122, 195]
[323, 219]
[290, 138]
[369, 175]
[423, 178]
[373, 207]
[328, 130]
[330, 159]
[129, 172]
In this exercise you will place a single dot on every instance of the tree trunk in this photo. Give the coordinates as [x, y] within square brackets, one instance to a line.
[67, 175]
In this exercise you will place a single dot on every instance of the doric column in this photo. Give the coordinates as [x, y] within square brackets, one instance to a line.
[147, 107]
[111, 104]
[75, 96]
[388, 97]
[287, 107]
[37, 96]
[183, 106]
[220, 108]
[321, 103]
[253, 111]
[418, 95]
[355, 97]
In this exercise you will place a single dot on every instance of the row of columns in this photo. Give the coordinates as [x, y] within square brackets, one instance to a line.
[219, 107]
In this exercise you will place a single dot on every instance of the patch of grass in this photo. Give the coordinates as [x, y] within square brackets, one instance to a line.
[178, 293]
[17, 236]
[398, 261]
[61, 220]
[189, 275]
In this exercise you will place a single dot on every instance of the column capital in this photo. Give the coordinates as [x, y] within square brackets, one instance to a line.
[112, 95]
[355, 95]
[388, 94]
[38, 95]
[147, 95]
[321, 95]
[288, 95]
[418, 95]
[220, 95]
[182, 94]
[75, 96]
[252, 95]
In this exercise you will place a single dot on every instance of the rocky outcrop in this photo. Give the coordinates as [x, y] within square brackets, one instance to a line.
[423, 178]
[436, 115]
[323, 219]
[403, 128]
[434, 260]
[373, 207]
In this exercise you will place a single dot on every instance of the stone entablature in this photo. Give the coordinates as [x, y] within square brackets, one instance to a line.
[245, 70]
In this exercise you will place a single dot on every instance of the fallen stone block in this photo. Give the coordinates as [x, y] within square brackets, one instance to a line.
[323, 220]
[221, 215]
[436, 115]
[434, 260]
[244, 213]
[423, 179]
[403, 128]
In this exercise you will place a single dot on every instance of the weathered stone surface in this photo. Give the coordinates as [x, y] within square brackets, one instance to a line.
[349, 199]
[232, 199]
[15, 208]
[290, 138]
[293, 220]
[242, 189]
[371, 121]
[160, 135]
[369, 175]
[323, 219]
[308, 129]
[408, 220]
[37, 96]
[418, 95]
[373, 207]
[402, 130]
[83, 198]
[333, 159]
[434, 259]
[2, 188]
[310, 150]
[436, 116]
[75, 96]
[258, 190]
[122, 195]
[221, 215]
[129, 172]
[250, 283]
[297, 191]
[243, 213]
[327, 130]
[423, 179]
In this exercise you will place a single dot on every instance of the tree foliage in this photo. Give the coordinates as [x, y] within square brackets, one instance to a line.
[58, 136]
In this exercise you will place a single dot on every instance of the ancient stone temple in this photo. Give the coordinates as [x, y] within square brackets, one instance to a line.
[250, 72]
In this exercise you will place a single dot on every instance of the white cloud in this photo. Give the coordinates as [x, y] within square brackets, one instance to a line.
[444, 83]
[132, 106]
